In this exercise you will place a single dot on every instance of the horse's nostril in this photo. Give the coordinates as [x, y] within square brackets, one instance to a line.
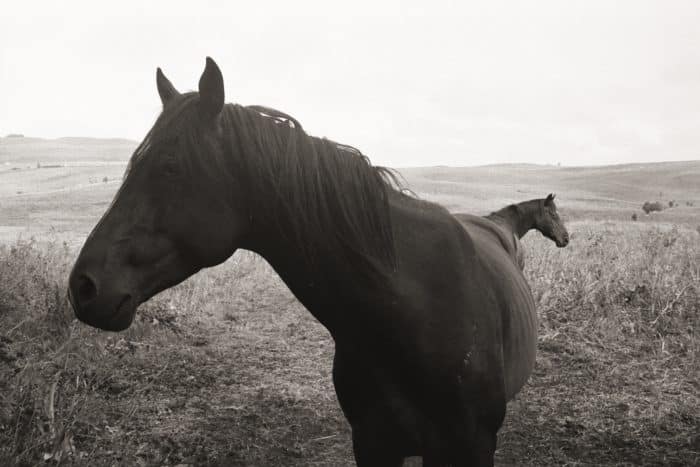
[87, 290]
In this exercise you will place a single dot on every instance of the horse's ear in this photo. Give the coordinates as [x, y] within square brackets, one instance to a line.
[165, 88]
[211, 90]
[549, 200]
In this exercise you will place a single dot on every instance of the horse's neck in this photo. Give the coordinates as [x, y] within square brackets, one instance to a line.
[328, 287]
[520, 218]
[296, 274]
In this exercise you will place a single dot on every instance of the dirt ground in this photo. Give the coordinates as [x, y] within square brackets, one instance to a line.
[229, 369]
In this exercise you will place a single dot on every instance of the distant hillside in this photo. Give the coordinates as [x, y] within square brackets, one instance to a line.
[615, 188]
[28, 150]
[605, 192]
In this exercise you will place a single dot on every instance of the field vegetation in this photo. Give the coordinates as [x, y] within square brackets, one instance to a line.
[229, 369]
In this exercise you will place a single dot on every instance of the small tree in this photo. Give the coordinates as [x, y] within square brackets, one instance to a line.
[634, 216]
[648, 207]
[105, 180]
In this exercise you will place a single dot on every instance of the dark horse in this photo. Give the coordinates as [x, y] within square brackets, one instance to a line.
[434, 329]
[511, 223]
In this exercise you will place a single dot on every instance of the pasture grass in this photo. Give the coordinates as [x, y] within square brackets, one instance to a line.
[616, 380]
[229, 369]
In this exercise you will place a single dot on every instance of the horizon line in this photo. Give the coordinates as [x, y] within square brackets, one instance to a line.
[16, 136]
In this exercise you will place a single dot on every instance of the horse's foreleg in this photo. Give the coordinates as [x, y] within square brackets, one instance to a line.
[375, 436]
[467, 421]
[469, 442]
[372, 448]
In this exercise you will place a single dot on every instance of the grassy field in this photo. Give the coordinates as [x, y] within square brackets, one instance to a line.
[229, 369]
[27, 151]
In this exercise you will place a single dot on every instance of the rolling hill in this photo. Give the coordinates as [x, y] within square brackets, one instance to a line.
[29, 150]
[601, 188]
[66, 183]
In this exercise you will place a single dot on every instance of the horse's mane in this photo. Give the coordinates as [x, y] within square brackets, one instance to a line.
[516, 210]
[513, 215]
[328, 196]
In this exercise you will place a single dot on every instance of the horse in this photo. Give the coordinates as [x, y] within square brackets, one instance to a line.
[434, 331]
[510, 224]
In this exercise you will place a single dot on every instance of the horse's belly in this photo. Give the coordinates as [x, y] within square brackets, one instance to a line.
[518, 316]
[519, 338]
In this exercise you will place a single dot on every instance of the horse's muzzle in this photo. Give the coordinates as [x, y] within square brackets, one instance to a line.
[563, 242]
[110, 310]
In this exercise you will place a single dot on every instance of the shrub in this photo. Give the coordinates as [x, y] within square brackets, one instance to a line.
[648, 207]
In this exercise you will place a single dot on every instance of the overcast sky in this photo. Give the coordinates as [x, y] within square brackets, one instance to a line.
[452, 83]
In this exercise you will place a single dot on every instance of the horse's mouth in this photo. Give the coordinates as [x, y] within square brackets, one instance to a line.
[124, 315]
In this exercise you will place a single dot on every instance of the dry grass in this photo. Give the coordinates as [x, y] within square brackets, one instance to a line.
[228, 369]
[208, 373]
[617, 374]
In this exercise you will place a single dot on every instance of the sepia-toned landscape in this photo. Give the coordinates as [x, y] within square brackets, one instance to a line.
[228, 368]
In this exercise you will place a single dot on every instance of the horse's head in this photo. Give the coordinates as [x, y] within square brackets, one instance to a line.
[550, 224]
[170, 218]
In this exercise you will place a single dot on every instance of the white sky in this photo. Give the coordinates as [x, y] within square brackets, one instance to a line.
[453, 83]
